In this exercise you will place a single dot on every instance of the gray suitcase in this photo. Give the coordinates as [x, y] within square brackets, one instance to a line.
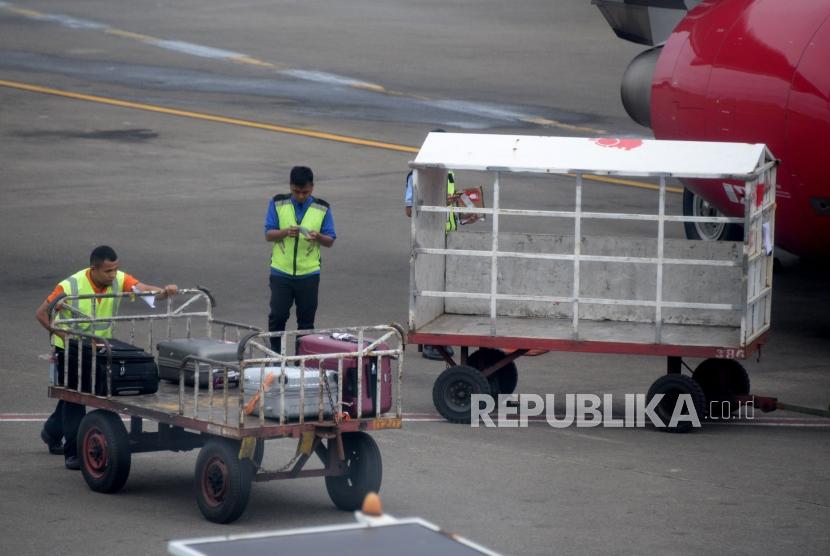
[172, 352]
[311, 403]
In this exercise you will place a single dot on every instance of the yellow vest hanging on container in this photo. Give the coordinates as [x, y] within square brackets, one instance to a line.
[452, 218]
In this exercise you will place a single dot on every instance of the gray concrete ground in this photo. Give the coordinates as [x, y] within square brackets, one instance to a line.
[183, 199]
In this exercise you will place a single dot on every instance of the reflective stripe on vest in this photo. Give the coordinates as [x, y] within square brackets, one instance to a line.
[79, 284]
[452, 218]
[296, 255]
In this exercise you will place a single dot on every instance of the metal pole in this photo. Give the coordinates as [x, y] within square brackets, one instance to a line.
[770, 176]
[577, 252]
[745, 264]
[494, 264]
[339, 407]
[359, 373]
[661, 237]
[413, 258]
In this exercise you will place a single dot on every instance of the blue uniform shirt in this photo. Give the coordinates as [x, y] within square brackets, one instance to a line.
[272, 222]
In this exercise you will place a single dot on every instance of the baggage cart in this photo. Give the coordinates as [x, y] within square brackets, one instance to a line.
[508, 293]
[231, 440]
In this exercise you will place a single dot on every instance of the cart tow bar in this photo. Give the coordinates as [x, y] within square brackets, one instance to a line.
[768, 404]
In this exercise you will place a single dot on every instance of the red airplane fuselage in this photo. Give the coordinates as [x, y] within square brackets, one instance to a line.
[756, 71]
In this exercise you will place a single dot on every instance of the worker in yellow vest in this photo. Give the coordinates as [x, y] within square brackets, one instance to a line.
[102, 276]
[297, 223]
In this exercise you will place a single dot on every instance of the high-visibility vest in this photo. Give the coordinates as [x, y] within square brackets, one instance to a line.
[80, 284]
[452, 218]
[296, 255]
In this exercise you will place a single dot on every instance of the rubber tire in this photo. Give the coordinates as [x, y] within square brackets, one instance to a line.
[259, 453]
[730, 232]
[503, 381]
[460, 376]
[671, 385]
[104, 451]
[221, 455]
[365, 471]
[722, 380]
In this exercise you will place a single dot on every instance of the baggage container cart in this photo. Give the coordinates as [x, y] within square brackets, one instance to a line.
[510, 293]
[215, 420]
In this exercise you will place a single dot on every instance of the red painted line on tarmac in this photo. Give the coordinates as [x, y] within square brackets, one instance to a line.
[799, 422]
[795, 422]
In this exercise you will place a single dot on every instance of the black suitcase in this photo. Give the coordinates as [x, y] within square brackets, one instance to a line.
[134, 371]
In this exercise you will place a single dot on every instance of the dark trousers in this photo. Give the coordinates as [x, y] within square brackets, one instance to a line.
[65, 420]
[286, 292]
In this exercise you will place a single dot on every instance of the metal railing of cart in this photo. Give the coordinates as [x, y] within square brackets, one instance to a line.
[190, 310]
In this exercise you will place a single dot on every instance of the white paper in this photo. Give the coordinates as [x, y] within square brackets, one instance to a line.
[767, 240]
[148, 299]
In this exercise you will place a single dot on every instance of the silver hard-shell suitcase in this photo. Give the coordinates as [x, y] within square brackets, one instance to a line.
[172, 352]
[311, 405]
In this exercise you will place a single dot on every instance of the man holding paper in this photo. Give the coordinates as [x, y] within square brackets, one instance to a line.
[101, 277]
[297, 224]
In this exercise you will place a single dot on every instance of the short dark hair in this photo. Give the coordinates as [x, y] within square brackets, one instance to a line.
[102, 253]
[301, 176]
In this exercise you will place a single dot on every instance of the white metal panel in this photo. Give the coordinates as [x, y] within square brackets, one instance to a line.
[623, 156]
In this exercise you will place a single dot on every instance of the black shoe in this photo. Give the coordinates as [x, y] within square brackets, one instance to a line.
[55, 446]
[73, 463]
[431, 352]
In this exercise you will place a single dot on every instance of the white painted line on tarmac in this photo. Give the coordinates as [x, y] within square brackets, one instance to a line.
[195, 49]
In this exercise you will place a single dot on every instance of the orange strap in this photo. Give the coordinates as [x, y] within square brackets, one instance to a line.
[252, 403]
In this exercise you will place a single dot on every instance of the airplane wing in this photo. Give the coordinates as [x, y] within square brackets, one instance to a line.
[648, 22]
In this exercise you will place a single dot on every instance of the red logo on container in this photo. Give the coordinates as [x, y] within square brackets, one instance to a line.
[612, 142]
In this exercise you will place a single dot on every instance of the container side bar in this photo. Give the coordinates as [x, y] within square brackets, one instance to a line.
[577, 250]
[494, 264]
[416, 196]
[583, 300]
[585, 215]
[661, 238]
[769, 178]
[746, 254]
[582, 257]
[360, 372]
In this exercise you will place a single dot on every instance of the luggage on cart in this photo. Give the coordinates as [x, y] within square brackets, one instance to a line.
[133, 369]
[172, 352]
[272, 377]
[313, 344]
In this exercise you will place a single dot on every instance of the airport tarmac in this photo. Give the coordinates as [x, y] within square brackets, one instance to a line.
[164, 128]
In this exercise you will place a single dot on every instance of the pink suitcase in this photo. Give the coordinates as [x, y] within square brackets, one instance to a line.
[316, 343]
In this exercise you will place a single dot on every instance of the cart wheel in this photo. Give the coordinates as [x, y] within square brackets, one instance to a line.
[722, 380]
[453, 390]
[364, 471]
[223, 481]
[504, 380]
[672, 385]
[104, 451]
